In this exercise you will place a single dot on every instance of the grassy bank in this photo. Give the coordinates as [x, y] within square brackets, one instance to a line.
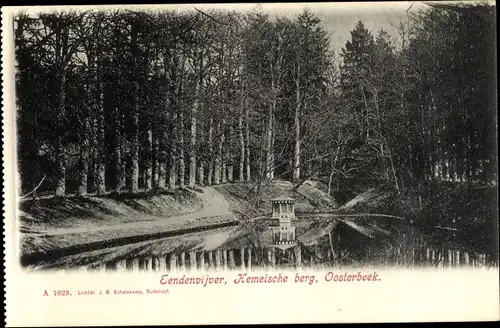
[90, 212]
[250, 200]
[459, 215]
[58, 223]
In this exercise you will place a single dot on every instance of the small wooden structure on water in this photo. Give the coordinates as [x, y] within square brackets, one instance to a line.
[283, 234]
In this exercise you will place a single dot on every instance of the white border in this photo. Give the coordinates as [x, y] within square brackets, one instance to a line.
[407, 296]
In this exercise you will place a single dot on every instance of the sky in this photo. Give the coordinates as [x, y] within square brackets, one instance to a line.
[338, 19]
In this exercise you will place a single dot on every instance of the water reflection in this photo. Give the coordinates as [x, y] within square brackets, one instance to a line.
[314, 242]
[254, 245]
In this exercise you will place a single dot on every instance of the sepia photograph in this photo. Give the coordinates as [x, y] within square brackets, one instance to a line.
[256, 139]
[164, 139]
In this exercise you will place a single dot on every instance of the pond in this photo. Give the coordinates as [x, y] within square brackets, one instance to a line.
[320, 242]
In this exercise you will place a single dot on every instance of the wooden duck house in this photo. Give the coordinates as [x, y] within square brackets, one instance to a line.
[283, 211]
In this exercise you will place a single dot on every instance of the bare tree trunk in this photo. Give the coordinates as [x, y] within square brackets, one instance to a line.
[60, 168]
[134, 187]
[218, 157]
[201, 174]
[89, 127]
[230, 173]
[247, 138]
[182, 164]
[229, 152]
[296, 164]
[223, 152]
[396, 183]
[84, 164]
[101, 176]
[173, 153]
[156, 162]
[149, 163]
[60, 155]
[334, 165]
[275, 89]
[271, 169]
[101, 146]
[162, 162]
[330, 182]
[269, 142]
[210, 151]
[366, 116]
[242, 145]
[119, 162]
[192, 148]
[162, 148]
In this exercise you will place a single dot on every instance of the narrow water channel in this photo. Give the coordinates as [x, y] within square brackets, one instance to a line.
[320, 244]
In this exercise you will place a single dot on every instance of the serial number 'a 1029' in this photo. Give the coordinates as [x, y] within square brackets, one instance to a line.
[60, 292]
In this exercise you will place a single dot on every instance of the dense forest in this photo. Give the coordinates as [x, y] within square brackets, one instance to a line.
[128, 101]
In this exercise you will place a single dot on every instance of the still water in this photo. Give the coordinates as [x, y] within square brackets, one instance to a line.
[320, 243]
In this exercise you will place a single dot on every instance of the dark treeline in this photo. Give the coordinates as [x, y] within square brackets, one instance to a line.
[123, 101]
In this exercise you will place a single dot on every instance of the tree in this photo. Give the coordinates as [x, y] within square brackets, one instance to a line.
[357, 56]
[62, 47]
[310, 67]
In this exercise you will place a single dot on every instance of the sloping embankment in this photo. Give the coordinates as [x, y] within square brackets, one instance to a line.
[56, 225]
[244, 197]
[93, 212]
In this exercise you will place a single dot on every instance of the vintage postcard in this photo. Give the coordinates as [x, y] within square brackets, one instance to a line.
[250, 163]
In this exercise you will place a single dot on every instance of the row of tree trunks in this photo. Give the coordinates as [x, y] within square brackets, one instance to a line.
[129, 137]
[161, 165]
[157, 171]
